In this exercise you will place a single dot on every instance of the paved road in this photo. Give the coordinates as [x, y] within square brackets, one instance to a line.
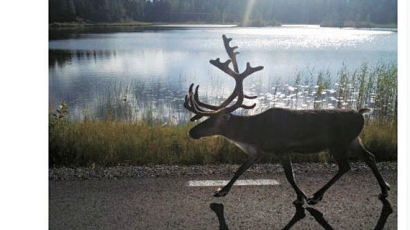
[167, 203]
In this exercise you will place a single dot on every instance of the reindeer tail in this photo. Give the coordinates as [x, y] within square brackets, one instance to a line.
[364, 110]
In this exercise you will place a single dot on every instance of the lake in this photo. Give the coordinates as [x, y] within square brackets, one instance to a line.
[144, 73]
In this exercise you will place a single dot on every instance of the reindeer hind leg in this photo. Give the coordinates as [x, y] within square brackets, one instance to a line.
[369, 159]
[340, 155]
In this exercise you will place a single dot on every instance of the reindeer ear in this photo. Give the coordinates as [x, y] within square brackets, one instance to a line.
[226, 116]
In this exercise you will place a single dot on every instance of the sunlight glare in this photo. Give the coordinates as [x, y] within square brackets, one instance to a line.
[248, 12]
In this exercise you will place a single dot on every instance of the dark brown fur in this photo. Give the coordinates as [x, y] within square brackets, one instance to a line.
[305, 131]
[282, 132]
[279, 131]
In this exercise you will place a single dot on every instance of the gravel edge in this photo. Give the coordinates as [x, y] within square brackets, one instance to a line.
[119, 172]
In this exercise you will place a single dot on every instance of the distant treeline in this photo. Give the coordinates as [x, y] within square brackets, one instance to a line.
[264, 12]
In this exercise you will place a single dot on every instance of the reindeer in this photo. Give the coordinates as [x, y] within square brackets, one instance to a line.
[280, 131]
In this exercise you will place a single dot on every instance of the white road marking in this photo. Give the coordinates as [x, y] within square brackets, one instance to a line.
[206, 183]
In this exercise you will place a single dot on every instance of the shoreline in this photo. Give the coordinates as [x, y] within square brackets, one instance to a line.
[78, 25]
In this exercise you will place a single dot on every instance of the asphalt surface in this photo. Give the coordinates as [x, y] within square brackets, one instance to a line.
[167, 203]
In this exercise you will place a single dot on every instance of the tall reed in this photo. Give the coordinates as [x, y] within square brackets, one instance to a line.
[119, 135]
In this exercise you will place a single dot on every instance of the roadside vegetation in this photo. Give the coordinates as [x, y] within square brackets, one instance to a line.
[109, 140]
[109, 143]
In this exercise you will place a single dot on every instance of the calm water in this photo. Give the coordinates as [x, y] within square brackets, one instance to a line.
[145, 73]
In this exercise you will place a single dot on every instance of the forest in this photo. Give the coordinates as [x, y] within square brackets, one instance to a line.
[356, 13]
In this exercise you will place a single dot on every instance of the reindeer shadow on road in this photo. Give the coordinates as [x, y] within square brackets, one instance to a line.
[386, 210]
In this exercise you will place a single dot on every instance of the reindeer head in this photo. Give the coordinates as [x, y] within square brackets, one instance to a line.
[219, 116]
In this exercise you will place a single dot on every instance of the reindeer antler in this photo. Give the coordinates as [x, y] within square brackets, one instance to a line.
[192, 102]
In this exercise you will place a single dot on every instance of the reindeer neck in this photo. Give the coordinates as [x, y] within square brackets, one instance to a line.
[238, 130]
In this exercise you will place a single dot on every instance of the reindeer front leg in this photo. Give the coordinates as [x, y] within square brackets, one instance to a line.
[223, 191]
[287, 166]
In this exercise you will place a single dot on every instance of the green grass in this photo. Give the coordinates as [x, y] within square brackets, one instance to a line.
[115, 138]
[380, 137]
[109, 143]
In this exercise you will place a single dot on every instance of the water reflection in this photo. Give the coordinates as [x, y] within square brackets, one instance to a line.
[60, 33]
[61, 58]
[218, 209]
[88, 65]
[160, 99]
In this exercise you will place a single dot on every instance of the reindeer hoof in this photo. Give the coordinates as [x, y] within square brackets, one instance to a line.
[220, 193]
[314, 200]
